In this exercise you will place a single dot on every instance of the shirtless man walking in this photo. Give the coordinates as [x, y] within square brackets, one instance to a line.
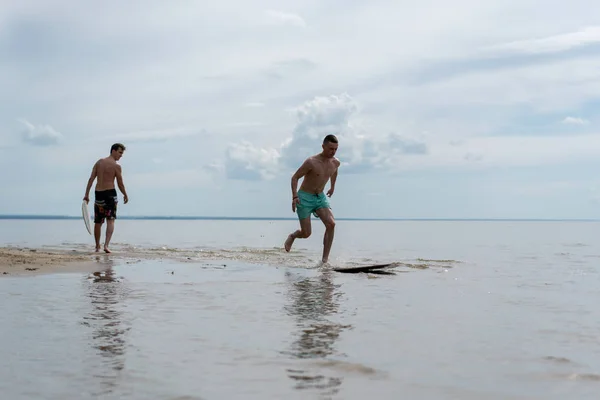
[310, 199]
[105, 202]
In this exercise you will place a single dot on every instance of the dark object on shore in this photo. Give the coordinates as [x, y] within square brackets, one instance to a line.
[366, 268]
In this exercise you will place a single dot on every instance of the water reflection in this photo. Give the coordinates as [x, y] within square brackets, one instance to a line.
[106, 293]
[310, 302]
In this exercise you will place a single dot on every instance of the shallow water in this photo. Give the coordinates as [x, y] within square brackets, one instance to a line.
[515, 317]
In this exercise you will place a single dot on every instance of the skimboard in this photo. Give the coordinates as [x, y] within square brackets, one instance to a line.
[86, 216]
[363, 268]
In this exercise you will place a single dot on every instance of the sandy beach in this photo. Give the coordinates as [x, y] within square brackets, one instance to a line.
[22, 260]
[27, 260]
[39, 260]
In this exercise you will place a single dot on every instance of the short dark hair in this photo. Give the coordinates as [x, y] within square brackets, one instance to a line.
[330, 138]
[117, 147]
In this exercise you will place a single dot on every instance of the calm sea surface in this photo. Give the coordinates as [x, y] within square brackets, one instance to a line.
[475, 310]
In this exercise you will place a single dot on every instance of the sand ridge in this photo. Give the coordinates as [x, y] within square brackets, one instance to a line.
[28, 261]
[20, 259]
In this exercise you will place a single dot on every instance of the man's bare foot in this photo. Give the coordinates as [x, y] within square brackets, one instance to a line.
[97, 249]
[106, 250]
[289, 242]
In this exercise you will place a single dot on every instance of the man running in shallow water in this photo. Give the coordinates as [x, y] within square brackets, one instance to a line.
[105, 202]
[310, 199]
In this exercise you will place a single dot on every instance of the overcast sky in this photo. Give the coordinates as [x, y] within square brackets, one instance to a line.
[461, 109]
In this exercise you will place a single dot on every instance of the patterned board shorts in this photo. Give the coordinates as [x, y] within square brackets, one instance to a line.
[105, 205]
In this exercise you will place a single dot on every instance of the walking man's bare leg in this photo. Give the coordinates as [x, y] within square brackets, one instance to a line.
[302, 233]
[327, 217]
[110, 227]
[97, 233]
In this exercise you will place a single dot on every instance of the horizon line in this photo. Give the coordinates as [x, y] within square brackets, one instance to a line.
[199, 217]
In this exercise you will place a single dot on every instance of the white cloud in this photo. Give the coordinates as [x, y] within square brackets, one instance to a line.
[39, 135]
[247, 162]
[552, 44]
[317, 118]
[575, 121]
[286, 18]
[359, 151]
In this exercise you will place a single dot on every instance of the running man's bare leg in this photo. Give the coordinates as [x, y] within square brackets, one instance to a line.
[97, 233]
[302, 233]
[327, 217]
[110, 227]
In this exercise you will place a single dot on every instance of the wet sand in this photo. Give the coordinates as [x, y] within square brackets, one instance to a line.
[29, 261]
[43, 260]
[22, 260]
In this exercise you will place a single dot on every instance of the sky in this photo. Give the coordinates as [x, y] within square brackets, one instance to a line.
[462, 109]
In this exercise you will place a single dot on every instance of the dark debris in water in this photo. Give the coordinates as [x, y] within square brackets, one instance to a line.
[561, 360]
[386, 269]
[379, 272]
[320, 382]
[217, 266]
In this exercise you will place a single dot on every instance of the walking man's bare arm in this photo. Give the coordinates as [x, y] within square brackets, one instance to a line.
[120, 183]
[93, 176]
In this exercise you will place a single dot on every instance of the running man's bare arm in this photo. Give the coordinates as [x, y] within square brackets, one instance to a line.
[302, 171]
[334, 178]
[332, 184]
[93, 176]
[120, 183]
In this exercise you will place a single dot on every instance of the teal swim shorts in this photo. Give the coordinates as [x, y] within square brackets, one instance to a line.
[310, 203]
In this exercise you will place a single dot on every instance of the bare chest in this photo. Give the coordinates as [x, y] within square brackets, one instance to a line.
[323, 170]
